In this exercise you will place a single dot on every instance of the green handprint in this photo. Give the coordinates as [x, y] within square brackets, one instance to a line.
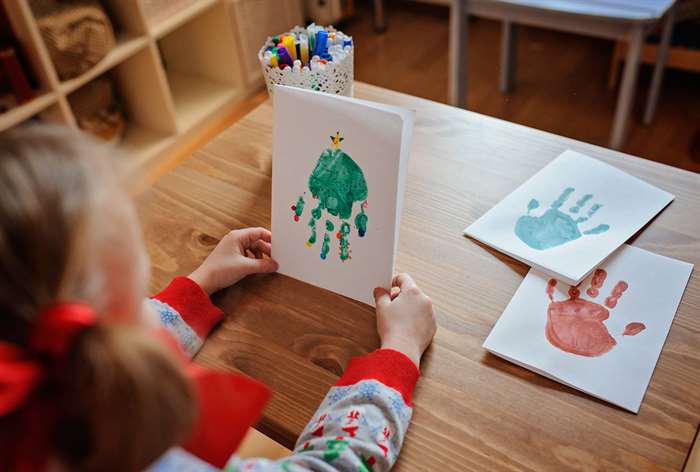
[337, 182]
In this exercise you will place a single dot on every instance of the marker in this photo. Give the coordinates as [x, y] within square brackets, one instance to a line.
[288, 42]
[321, 43]
[273, 60]
[312, 38]
[304, 49]
[284, 57]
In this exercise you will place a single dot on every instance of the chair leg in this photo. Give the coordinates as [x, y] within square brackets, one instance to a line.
[615, 64]
[509, 47]
[457, 77]
[629, 82]
[661, 57]
[379, 20]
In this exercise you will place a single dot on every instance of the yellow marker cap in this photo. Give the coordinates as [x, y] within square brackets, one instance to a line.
[288, 42]
[304, 50]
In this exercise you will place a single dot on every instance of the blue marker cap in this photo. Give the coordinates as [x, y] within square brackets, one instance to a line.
[347, 42]
[321, 43]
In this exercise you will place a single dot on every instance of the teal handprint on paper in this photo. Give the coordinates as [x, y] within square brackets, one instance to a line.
[556, 227]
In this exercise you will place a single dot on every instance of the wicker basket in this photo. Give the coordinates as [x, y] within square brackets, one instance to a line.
[77, 35]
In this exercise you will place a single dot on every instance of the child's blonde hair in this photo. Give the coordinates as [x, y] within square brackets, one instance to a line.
[120, 398]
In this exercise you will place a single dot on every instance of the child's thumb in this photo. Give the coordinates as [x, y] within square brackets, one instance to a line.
[261, 266]
[381, 296]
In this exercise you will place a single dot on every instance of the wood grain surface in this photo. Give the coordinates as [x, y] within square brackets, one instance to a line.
[473, 411]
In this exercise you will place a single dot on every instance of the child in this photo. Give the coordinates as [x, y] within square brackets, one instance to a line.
[90, 380]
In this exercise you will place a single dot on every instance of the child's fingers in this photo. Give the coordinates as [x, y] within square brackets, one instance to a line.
[381, 297]
[264, 265]
[263, 247]
[403, 281]
[394, 292]
[248, 236]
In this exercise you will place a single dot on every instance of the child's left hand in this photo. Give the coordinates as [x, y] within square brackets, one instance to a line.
[228, 262]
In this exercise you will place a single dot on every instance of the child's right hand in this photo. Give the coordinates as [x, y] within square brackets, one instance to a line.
[229, 262]
[405, 320]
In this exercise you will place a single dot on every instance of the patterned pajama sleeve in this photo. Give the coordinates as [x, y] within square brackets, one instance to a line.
[186, 311]
[359, 427]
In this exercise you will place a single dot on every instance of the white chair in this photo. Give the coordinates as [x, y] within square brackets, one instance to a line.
[629, 20]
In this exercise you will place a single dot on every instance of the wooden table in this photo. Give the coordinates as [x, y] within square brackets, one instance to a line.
[474, 411]
[627, 20]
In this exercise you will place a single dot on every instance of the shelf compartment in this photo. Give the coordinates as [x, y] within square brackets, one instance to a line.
[125, 47]
[174, 17]
[150, 123]
[126, 16]
[207, 78]
[20, 113]
[195, 98]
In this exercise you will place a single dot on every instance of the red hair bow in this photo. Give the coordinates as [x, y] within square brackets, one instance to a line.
[53, 334]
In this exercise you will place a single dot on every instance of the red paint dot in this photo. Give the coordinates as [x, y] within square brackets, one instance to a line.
[337, 235]
[296, 217]
[294, 208]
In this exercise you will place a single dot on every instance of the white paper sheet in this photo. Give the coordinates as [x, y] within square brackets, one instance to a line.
[604, 340]
[376, 138]
[570, 216]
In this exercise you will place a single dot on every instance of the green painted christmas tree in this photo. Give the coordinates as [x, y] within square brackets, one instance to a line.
[336, 183]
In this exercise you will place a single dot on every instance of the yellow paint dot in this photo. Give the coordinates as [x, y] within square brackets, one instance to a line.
[308, 244]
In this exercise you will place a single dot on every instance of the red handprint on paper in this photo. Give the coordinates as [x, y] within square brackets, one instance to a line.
[576, 325]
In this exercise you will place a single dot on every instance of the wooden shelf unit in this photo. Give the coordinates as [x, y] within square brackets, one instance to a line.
[175, 74]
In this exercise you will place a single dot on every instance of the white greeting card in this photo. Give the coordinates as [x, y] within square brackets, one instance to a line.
[338, 174]
[603, 336]
[570, 216]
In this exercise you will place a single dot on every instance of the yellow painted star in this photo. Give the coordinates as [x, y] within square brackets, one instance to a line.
[336, 140]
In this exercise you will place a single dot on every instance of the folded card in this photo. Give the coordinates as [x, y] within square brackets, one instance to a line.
[570, 216]
[602, 337]
[338, 175]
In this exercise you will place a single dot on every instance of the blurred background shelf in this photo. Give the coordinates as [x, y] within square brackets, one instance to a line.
[141, 143]
[125, 47]
[25, 111]
[174, 14]
[196, 97]
[176, 68]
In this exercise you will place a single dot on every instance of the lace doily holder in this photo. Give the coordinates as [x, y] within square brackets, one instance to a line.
[335, 77]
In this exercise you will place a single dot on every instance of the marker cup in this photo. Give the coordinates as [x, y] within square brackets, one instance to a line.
[335, 76]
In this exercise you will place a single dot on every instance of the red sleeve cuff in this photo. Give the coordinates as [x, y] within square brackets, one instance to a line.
[193, 304]
[392, 368]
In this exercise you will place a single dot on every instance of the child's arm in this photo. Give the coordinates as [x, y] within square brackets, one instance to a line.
[361, 424]
[184, 307]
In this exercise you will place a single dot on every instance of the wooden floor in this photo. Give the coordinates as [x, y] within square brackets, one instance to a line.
[561, 82]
